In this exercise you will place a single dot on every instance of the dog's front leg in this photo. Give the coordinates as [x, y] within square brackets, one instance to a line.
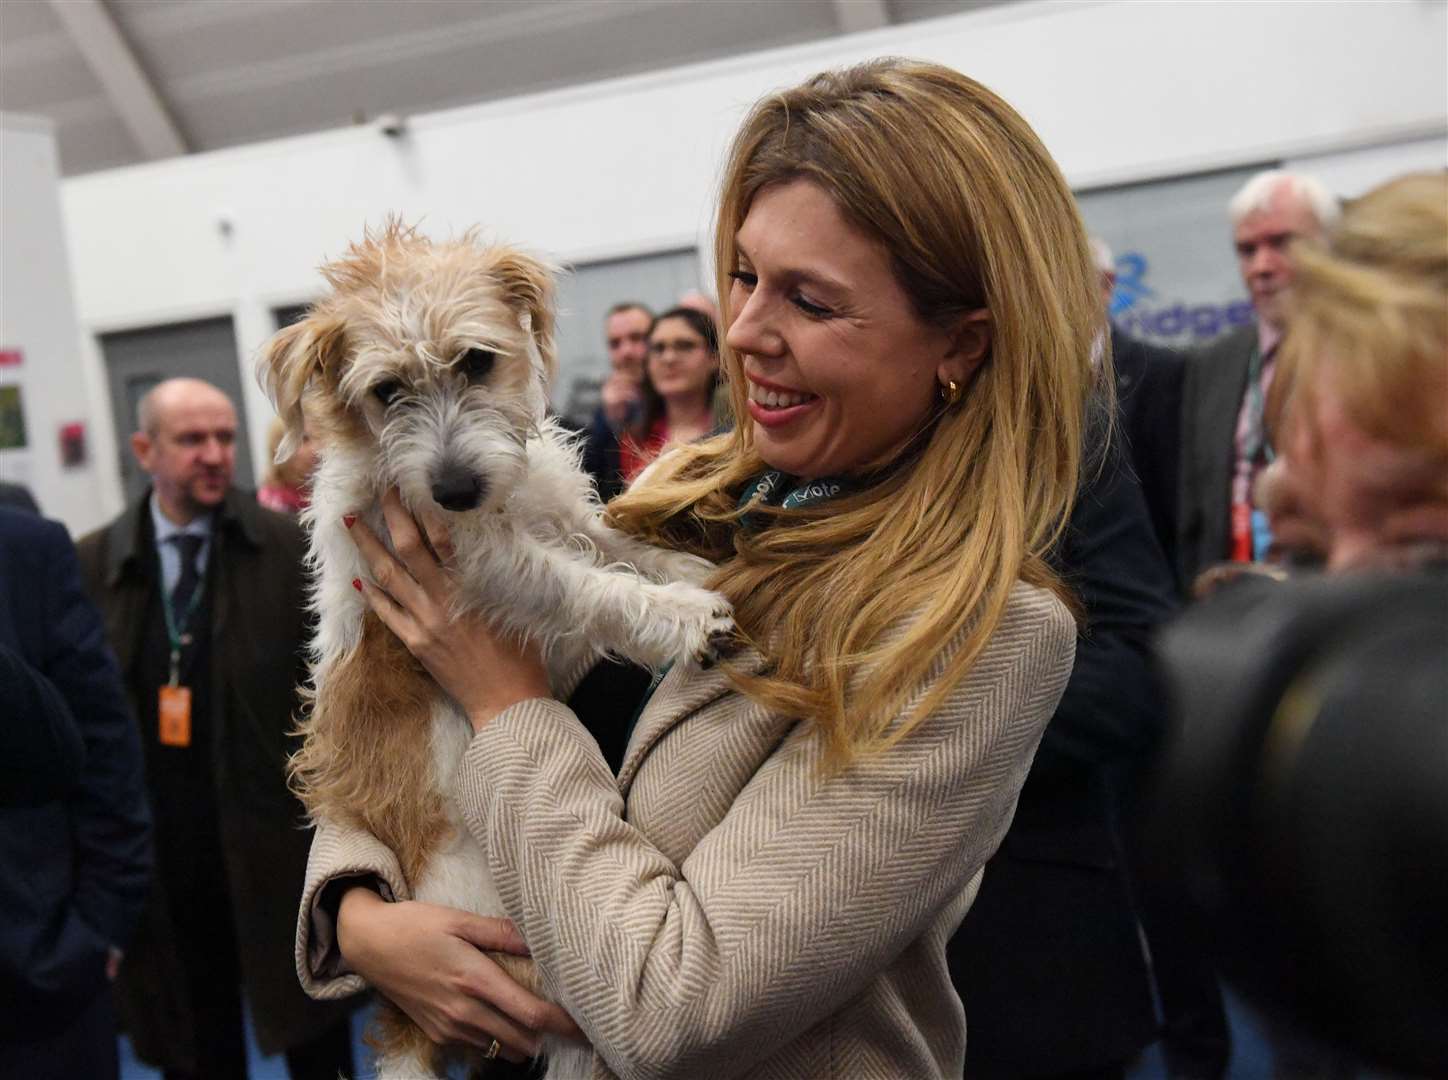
[614, 610]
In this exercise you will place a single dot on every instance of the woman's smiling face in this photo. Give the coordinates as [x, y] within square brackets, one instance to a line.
[842, 372]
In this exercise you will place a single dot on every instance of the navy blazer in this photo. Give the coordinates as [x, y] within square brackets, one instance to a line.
[75, 840]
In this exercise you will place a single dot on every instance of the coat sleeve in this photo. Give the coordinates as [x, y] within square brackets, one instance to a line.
[811, 884]
[341, 855]
[41, 749]
[110, 814]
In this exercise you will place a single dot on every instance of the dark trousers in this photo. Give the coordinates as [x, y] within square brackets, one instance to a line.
[205, 938]
[87, 1047]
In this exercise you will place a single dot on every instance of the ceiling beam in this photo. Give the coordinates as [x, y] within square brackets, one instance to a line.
[130, 90]
[856, 15]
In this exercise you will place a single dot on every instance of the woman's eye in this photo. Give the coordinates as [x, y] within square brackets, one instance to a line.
[388, 391]
[477, 363]
[810, 308]
[745, 278]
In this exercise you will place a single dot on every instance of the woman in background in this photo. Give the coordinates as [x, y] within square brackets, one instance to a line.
[680, 376]
[287, 488]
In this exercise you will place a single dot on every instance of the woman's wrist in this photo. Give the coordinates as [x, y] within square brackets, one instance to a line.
[356, 904]
[481, 713]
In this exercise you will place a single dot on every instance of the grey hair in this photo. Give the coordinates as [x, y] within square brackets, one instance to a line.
[1101, 255]
[1256, 194]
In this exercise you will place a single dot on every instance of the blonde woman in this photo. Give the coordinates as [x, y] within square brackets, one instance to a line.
[767, 885]
[1364, 384]
[287, 487]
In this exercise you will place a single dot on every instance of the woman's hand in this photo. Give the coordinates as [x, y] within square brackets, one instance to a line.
[483, 672]
[426, 960]
[622, 400]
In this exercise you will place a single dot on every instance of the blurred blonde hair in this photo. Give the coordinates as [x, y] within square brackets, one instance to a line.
[1370, 313]
[855, 603]
[280, 473]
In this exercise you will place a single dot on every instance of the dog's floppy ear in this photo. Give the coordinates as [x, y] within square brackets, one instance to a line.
[289, 362]
[528, 284]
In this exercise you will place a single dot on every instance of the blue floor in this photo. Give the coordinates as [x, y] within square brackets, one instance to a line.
[1250, 1057]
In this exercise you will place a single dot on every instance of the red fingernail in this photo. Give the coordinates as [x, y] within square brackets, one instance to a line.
[357, 584]
[349, 520]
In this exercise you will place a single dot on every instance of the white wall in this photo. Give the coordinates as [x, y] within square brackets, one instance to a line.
[1119, 91]
[37, 317]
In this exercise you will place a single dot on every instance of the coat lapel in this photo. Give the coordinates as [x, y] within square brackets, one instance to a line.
[685, 689]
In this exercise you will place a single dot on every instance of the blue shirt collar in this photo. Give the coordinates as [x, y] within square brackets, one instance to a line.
[165, 528]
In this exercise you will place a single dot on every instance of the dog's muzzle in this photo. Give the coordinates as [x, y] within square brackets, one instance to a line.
[458, 489]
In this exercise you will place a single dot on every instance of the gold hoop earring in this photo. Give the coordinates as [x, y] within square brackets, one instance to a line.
[950, 392]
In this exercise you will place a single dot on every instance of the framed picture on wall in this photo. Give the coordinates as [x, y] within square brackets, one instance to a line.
[12, 419]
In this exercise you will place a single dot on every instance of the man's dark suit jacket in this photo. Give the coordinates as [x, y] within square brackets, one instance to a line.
[1212, 392]
[1149, 403]
[258, 632]
[1048, 961]
[75, 854]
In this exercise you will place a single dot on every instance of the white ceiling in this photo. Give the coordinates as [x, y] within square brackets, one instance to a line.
[130, 80]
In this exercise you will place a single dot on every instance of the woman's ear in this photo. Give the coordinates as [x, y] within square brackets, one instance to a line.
[969, 347]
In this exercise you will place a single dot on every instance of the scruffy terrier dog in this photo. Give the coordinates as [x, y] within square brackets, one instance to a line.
[426, 368]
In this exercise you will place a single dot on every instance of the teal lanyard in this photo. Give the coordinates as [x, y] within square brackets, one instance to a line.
[772, 488]
[177, 635]
[1256, 441]
[775, 488]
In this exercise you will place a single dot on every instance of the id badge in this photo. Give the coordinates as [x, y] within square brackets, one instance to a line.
[174, 710]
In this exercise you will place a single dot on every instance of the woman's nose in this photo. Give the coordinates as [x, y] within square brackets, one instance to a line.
[752, 329]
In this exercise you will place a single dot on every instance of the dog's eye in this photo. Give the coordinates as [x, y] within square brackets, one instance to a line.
[476, 363]
[387, 391]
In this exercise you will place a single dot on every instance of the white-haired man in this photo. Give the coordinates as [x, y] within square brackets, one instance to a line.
[1224, 442]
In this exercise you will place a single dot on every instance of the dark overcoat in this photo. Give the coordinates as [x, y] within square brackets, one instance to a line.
[1049, 961]
[75, 834]
[1214, 384]
[258, 633]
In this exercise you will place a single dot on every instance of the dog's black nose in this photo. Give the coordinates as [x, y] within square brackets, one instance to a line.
[458, 489]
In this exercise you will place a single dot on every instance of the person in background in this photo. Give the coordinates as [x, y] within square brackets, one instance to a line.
[1049, 962]
[626, 333]
[723, 409]
[1149, 404]
[1363, 405]
[203, 596]
[1358, 409]
[680, 378]
[18, 496]
[767, 885]
[1224, 443]
[288, 485]
[75, 831]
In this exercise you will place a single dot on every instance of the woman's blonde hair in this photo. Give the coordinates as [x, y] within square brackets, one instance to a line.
[280, 473]
[855, 602]
[1370, 310]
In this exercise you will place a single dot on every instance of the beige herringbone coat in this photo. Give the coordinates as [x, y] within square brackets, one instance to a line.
[723, 908]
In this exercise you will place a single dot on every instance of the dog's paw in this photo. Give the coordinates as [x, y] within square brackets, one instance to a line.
[713, 636]
[682, 622]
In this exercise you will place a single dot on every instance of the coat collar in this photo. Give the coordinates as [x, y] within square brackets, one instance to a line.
[129, 536]
[685, 689]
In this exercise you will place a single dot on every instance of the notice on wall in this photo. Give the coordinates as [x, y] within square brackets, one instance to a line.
[12, 419]
[11, 358]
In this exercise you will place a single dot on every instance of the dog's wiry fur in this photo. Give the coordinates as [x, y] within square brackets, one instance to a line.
[459, 338]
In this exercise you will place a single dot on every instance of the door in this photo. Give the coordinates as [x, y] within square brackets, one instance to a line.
[137, 360]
